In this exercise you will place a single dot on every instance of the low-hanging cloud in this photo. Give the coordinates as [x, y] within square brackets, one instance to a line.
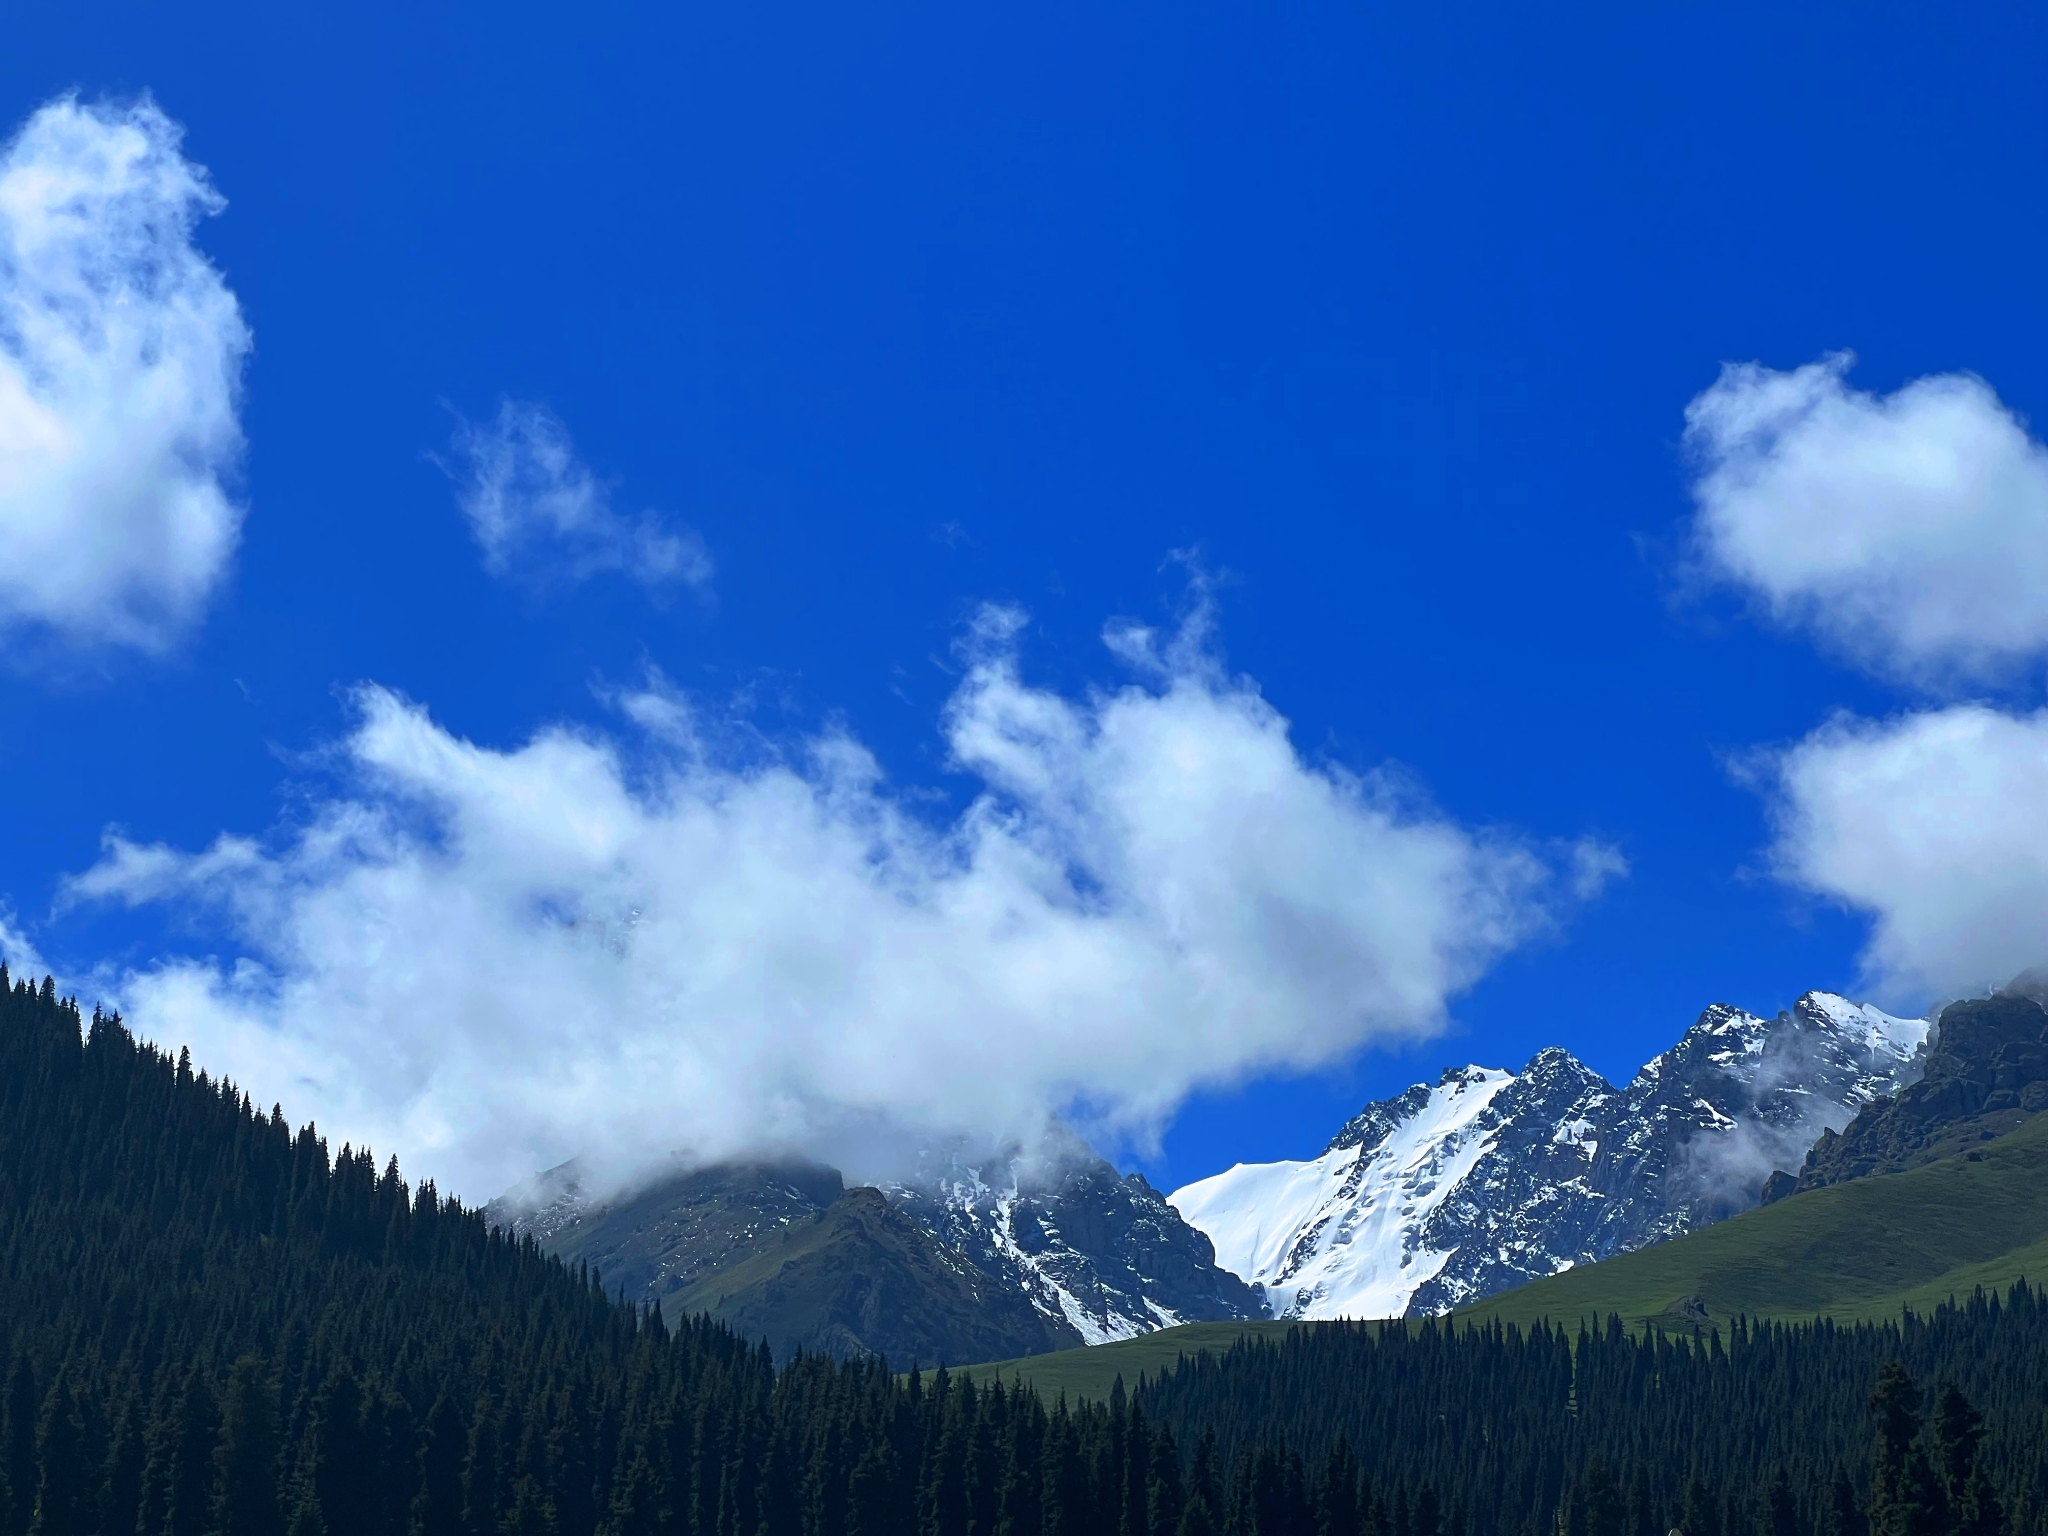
[541, 516]
[121, 352]
[1908, 532]
[630, 946]
[1936, 825]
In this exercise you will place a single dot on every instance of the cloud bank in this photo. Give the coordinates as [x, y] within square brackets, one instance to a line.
[121, 352]
[1908, 532]
[628, 946]
[541, 517]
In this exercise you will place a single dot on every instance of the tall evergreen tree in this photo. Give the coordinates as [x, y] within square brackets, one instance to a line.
[1778, 1512]
[61, 1507]
[1844, 1514]
[121, 1493]
[1906, 1497]
[438, 1510]
[247, 1456]
[18, 1448]
[189, 1491]
[1973, 1507]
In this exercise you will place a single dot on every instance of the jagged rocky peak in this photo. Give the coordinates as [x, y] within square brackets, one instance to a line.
[1100, 1251]
[1423, 1201]
[1449, 1192]
[1984, 1073]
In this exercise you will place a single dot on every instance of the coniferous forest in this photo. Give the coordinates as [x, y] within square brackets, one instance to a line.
[210, 1323]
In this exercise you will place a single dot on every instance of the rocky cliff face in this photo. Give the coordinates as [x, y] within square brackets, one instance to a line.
[1451, 1192]
[1104, 1253]
[1986, 1073]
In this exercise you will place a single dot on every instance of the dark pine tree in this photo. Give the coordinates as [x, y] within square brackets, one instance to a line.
[61, 1508]
[247, 1456]
[18, 1444]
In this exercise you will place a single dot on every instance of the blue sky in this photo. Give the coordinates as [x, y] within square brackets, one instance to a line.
[861, 323]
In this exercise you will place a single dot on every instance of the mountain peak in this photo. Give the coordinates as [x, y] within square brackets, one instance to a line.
[1450, 1192]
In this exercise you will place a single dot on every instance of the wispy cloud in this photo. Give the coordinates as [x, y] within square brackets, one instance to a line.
[121, 350]
[541, 516]
[632, 945]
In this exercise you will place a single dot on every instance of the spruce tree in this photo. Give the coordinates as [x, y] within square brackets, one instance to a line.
[1974, 1509]
[1699, 1514]
[1604, 1513]
[1337, 1493]
[1844, 1515]
[188, 1490]
[480, 1472]
[247, 1456]
[121, 1494]
[337, 1474]
[18, 1448]
[1906, 1496]
[1778, 1513]
[60, 1504]
[874, 1498]
[438, 1510]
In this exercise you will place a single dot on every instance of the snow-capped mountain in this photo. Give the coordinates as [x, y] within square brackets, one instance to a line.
[1488, 1178]
[1018, 1253]
[1100, 1251]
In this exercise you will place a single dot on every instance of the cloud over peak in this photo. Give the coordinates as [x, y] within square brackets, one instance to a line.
[1908, 532]
[541, 516]
[627, 946]
[121, 350]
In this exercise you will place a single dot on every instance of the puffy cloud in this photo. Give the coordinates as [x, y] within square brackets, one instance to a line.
[1935, 824]
[541, 516]
[121, 352]
[631, 945]
[1907, 531]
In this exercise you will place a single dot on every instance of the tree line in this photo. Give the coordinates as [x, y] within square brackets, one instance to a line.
[210, 1325]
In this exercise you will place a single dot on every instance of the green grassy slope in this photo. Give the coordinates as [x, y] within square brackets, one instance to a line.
[861, 1276]
[1091, 1372]
[1864, 1248]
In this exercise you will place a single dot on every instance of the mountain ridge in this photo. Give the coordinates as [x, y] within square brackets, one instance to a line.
[1488, 1179]
[1016, 1254]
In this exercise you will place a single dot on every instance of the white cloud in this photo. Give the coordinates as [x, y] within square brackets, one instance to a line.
[626, 946]
[1908, 531]
[1936, 825]
[540, 515]
[17, 950]
[121, 352]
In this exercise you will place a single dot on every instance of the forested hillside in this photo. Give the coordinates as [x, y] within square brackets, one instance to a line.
[210, 1324]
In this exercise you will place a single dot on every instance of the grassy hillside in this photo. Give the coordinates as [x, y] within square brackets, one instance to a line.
[1864, 1248]
[1091, 1372]
[861, 1276]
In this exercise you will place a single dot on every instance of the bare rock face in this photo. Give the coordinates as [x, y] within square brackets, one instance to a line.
[1102, 1252]
[1986, 1074]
